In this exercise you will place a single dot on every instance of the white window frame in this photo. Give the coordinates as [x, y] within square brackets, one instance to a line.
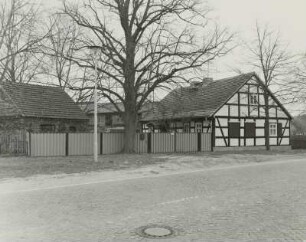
[253, 98]
[198, 127]
[186, 128]
[273, 129]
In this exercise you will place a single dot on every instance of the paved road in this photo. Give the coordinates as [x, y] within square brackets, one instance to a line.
[262, 202]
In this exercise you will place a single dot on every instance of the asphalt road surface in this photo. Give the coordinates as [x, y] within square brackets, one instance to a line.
[257, 202]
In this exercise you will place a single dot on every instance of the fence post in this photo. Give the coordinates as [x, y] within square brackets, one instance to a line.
[101, 143]
[149, 142]
[213, 127]
[30, 145]
[174, 141]
[199, 142]
[67, 145]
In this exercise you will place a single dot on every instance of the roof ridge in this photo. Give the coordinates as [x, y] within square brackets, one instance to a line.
[30, 84]
[232, 77]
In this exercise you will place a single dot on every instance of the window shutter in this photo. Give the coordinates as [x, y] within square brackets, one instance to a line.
[249, 130]
[279, 129]
[234, 130]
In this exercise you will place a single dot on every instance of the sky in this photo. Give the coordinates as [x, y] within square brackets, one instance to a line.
[240, 16]
[288, 17]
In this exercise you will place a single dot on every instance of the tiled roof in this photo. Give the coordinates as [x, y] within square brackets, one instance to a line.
[39, 101]
[110, 108]
[102, 107]
[202, 101]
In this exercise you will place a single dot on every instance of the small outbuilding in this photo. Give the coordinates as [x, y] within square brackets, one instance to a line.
[36, 108]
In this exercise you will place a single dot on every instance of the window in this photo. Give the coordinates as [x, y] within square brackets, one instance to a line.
[253, 99]
[198, 127]
[72, 129]
[47, 128]
[108, 120]
[272, 129]
[234, 129]
[186, 128]
[249, 130]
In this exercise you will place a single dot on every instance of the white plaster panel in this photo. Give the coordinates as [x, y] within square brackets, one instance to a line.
[223, 122]
[244, 88]
[234, 142]
[260, 123]
[286, 132]
[218, 132]
[260, 141]
[285, 141]
[271, 101]
[220, 142]
[234, 99]
[243, 111]
[253, 89]
[272, 112]
[260, 132]
[250, 142]
[223, 111]
[243, 98]
[241, 132]
[252, 81]
[234, 111]
[234, 120]
[273, 141]
[249, 120]
[262, 112]
[225, 131]
[254, 111]
[280, 113]
[261, 99]
[242, 123]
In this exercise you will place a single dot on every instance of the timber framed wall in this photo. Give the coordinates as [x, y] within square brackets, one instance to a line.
[241, 121]
[190, 125]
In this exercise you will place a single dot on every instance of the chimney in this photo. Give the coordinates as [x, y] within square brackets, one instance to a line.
[207, 80]
[195, 84]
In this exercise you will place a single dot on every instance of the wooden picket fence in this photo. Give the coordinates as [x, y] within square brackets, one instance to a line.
[65, 144]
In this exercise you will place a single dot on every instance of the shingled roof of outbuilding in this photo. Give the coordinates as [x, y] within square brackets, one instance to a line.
[201, 101]
[28, 100]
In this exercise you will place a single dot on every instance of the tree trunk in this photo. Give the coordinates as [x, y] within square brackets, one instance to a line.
[130, 131]
[267, 131]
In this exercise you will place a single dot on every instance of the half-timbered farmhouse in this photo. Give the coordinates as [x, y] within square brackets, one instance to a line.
[232, 109]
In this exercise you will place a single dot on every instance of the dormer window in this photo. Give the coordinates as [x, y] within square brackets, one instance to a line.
[253, 99]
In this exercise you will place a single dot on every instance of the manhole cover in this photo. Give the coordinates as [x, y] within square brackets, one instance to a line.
[155, 231]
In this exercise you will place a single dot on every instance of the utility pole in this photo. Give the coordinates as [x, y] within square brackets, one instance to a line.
[95, 141]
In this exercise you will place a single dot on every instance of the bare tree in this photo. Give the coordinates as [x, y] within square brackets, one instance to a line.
[298, 84]
[18, 25]
[271, 57]
[58, 48]
[142, 46]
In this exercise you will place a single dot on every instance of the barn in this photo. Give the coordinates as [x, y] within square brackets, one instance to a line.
[231, 109]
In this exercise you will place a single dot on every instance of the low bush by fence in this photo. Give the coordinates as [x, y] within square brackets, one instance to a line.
[13, 143]
[298, 142]
[59, 144]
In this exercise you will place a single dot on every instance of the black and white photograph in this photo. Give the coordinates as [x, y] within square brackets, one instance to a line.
[152, 120]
